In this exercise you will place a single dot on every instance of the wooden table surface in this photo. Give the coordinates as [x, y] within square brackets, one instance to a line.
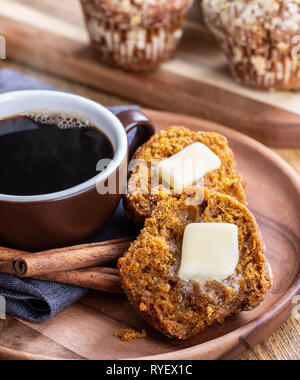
[284, 344]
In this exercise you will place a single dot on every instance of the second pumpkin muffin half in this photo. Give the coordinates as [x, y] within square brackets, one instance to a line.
[140, 201]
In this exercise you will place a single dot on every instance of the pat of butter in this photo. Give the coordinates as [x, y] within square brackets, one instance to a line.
[188, 166]
[210, 251]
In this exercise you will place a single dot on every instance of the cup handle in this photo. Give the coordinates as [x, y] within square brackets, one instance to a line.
[132, 119]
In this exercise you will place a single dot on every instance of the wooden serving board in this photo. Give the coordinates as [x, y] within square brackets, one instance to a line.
[51, 35]
[86, 330]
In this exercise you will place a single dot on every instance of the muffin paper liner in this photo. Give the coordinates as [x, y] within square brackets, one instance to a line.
[266, 66]
[137, 47]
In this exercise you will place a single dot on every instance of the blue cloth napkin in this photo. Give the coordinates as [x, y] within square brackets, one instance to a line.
[33, 300]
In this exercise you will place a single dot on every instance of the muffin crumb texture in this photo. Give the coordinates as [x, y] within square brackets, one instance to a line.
[129, 334]
[149, 270]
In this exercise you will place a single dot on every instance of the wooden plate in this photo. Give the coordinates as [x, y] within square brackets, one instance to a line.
[86, 330]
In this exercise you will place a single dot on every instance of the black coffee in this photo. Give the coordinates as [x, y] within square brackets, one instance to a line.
[41, 157]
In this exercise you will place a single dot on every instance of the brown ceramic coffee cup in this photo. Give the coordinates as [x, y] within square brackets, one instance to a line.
[35, 223]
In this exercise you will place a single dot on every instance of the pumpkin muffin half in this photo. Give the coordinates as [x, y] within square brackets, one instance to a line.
[139, 201]
[150, 270]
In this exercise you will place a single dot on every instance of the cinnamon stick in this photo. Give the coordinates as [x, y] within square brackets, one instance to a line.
[69, 259]
[98, 278]
[103, 279]
[5, 267]
[7, 254]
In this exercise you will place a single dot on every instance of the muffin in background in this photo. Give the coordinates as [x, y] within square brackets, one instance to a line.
[260, 40]
[135, 35]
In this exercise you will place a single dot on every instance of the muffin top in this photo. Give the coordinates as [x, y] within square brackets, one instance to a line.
[144, 13]
[277, 20]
